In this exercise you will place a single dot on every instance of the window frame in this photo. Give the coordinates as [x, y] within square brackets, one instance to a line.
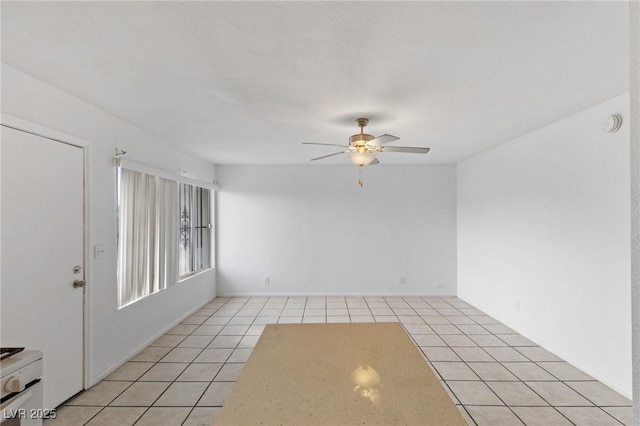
[173, 241]
[208, 257]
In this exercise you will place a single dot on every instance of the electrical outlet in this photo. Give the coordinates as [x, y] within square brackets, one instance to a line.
[518, 306]
[98, 251]
[437, 285]
[267, 280]
[400, 280]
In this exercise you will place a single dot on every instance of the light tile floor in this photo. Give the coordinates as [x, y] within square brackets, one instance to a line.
[494, 375]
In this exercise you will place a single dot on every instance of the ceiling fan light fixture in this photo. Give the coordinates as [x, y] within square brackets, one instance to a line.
[361, 158]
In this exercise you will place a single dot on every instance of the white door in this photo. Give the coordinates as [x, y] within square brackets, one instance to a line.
[42, 242]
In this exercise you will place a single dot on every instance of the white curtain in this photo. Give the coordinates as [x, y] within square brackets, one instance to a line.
[147, 234]
[167, 232]
[135, 235]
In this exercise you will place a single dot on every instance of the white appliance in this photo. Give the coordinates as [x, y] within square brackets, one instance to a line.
[21, 388]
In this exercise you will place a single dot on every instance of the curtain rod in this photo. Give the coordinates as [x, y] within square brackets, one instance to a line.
[143, 168]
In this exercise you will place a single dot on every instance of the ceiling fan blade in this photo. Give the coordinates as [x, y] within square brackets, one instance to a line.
[325, 144]
[381, 140]
[374, 162]
[330, 155]
[407, 149]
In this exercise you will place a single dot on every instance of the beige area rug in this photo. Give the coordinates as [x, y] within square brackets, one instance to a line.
[337, 374]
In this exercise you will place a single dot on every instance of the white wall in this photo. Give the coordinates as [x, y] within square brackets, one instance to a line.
[114, 335]
[544, 220]
[313, 230]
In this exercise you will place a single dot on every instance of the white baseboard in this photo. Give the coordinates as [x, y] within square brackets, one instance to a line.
[326, 294]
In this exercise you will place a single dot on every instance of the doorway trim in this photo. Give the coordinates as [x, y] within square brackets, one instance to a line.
[61, 137]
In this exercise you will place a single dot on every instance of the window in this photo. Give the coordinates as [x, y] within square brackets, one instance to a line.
[147, 224]
[164, 232]
[195, 229]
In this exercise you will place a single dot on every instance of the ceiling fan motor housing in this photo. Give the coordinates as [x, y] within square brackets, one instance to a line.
[360, 139]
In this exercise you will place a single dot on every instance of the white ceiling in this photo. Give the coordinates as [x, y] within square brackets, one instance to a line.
[247, 82]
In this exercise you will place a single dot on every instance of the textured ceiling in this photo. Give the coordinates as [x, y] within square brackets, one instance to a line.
[247, 82]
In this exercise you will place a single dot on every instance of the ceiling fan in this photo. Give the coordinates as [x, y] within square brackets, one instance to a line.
[362, 147]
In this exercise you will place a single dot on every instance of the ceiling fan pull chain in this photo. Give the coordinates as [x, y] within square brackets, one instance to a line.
[360, 176]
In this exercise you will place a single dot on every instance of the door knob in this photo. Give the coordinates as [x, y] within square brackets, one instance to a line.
[79, 283]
